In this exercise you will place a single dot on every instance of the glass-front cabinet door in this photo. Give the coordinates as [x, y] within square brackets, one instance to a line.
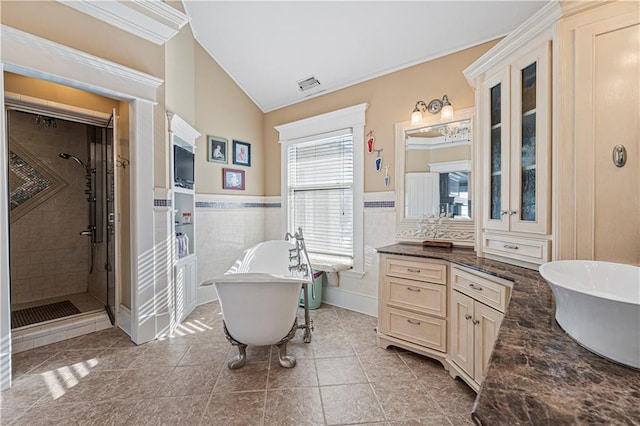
[497, 161]
[530, 142]
[517, 145]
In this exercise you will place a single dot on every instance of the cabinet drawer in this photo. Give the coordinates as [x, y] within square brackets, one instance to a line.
[416, 270]
[419, 329]
[526, 249]
[481, 289]
[419, 296]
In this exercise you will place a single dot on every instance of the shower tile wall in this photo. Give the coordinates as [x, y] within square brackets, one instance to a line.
[48, 257]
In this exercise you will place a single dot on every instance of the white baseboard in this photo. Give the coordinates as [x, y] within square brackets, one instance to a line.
[124, 322]
[350, 300]
[206, 293]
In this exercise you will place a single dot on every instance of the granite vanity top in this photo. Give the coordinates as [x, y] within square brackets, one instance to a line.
[537, 373]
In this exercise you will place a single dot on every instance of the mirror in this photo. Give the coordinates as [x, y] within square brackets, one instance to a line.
[433, 176]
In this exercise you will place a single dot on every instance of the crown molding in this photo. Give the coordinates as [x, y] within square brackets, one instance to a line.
[151, 20]
[542, 20]
[179, 127]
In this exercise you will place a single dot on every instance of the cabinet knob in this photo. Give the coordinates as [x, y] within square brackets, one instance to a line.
[412, 322]
[475, 287]
[416, 290]
[475, 321]
[512, 212]
[510, 247]
[415, 271]
[467, 317]
[504, 212]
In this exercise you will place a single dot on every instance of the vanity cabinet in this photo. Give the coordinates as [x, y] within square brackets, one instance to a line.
[477, 309]
[412, 305]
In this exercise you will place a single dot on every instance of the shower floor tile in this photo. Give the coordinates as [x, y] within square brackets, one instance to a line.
[186, 380]
[83, 301]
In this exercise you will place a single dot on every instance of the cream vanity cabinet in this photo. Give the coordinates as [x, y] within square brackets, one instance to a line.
[412, 305]
[513, 127]
[478, 303]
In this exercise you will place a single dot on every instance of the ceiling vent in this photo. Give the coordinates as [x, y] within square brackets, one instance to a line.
[308, 83]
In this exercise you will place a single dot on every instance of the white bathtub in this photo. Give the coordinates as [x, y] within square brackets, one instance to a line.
[598, 304]
[259, 297]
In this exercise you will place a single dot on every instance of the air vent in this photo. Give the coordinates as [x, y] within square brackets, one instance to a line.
[308, 83]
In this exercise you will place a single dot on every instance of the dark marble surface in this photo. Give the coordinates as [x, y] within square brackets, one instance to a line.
[537, 374]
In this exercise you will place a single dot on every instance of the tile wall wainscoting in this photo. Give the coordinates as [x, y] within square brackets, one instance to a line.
[228, 224]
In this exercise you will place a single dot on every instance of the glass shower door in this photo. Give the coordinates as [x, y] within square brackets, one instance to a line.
[110, 212]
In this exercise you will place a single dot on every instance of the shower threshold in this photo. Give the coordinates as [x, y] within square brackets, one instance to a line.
[92, 317]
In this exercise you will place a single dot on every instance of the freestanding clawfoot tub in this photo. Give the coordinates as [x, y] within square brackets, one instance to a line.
[259, 297]
[598, 304]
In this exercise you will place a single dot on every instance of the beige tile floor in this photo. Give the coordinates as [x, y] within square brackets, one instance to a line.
[342, 377]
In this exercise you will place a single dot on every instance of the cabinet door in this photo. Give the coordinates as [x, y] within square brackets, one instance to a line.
[486, 325]
[185, 289]
[530, 142]
[462, 335]
[495, 140]
[191, 296]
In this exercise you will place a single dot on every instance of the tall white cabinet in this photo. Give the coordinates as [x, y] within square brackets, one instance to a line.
[185, 259]
[513, 154]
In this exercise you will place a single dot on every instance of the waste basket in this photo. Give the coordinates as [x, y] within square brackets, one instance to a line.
[315, 291]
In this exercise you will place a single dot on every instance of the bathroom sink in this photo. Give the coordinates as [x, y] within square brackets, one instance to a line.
[598, 305]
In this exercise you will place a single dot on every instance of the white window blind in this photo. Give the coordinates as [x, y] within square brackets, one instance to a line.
[320, 192]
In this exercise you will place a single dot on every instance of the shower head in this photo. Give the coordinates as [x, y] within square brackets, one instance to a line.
[74, 158]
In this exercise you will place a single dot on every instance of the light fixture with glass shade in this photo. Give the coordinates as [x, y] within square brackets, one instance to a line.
[442, 106]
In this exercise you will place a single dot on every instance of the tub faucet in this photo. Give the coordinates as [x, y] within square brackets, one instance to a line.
[294, 253]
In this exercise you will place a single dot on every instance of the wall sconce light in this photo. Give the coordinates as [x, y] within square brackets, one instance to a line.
[435, 106]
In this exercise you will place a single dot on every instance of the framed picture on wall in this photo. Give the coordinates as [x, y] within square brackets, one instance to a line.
[233, 179]
[241, 153]
[217, 149]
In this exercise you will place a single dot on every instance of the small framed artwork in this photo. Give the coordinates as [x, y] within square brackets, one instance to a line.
[241, 153]
[217, 149]
[233, 179]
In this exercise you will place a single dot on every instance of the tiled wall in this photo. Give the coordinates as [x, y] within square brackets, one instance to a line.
[48, 257]
[225, 228]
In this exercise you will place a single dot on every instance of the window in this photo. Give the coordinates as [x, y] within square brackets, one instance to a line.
[322, 184]
[320, 192]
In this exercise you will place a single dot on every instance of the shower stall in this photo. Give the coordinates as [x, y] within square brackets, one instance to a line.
[62, 216]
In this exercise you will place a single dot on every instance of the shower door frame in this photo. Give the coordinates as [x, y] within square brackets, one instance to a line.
[32, 56]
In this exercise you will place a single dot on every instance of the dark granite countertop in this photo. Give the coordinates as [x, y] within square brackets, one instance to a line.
[537, 373]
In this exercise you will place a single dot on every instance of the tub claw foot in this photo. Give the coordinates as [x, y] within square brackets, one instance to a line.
[238, 360]
[286, 361]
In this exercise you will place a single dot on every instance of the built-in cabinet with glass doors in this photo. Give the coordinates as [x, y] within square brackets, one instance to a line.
[515, 139]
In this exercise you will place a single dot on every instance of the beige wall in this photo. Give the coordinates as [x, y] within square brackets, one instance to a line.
[391, 99]
[224, 110]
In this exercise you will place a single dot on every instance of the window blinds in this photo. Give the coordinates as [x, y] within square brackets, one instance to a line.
[320, 192]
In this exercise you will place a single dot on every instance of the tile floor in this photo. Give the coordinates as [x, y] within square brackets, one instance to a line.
[342, 377]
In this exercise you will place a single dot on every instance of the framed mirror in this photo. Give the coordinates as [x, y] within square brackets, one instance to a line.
[434, 178]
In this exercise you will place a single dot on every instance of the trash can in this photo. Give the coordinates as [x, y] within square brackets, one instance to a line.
[315, 291]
